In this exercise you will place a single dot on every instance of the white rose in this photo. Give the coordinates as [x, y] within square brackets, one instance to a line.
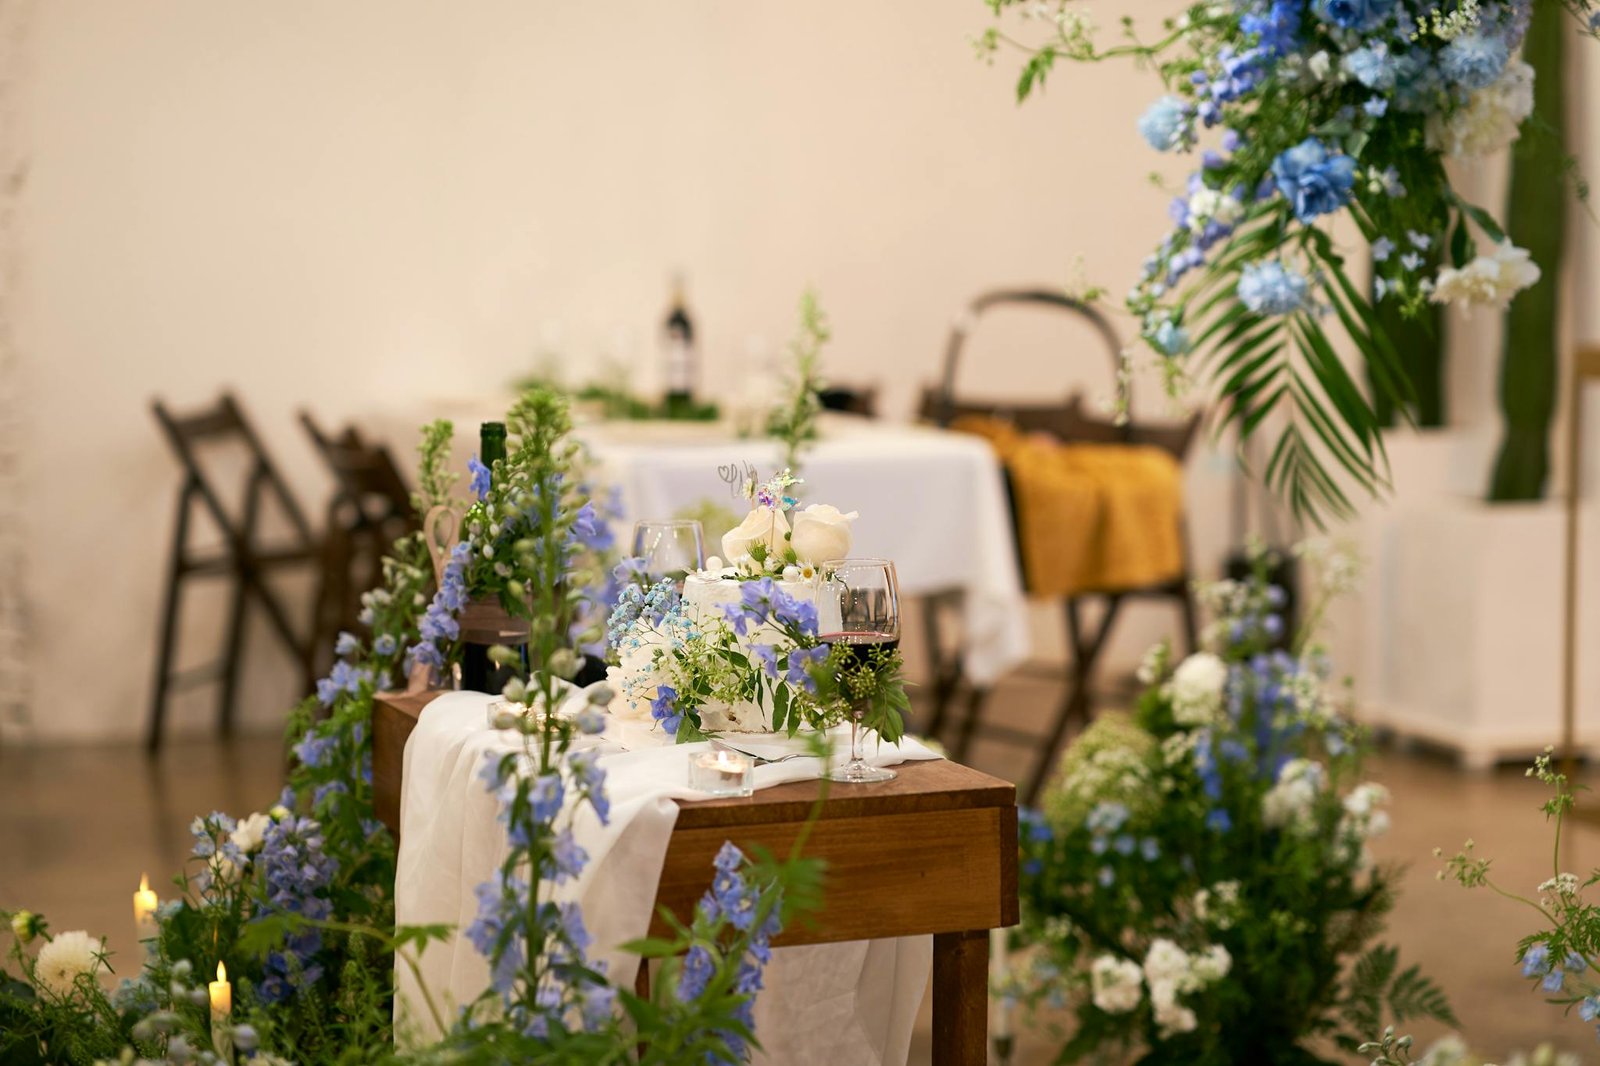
[251, 833]
[763, 525]
[64, 958]
[1196, 688]
[821, 533]
[1491, 119]
[1116, 984]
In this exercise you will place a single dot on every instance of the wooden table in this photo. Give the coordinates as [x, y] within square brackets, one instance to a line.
[932, 852]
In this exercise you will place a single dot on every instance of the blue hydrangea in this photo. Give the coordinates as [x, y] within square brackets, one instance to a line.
[1372, 66]
[1170, 338]
[1270, 288]
[1352, 14]
[1277, 26]
[1473, 60]
[1314, 180]
[1165, 124]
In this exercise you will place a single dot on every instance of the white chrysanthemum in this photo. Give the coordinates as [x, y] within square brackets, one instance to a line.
[1489, 280]
[1491, 118]
[1196, 688]
[251, 832]
[64, 958]
[1116, 984]
[1288, 803]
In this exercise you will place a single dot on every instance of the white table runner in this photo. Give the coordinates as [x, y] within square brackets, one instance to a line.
[853, 1002]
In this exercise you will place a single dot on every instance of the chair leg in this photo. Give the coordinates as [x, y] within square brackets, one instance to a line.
[1077, 702]
[169, 629]
[232, 656]
[945, 677]
[1191, 628]
[976, 699]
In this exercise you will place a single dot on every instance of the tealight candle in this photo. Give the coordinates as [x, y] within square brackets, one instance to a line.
[144, 914]
[221, 996]
[722, 773]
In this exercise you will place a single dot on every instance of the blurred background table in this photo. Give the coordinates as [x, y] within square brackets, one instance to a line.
[933, 501]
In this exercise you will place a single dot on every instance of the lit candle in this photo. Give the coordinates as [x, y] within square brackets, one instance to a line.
[221, 996]
[722, 773]
[144, 915]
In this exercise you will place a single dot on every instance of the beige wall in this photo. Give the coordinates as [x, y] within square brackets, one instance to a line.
[370, 206]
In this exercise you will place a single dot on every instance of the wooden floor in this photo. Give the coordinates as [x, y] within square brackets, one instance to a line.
[79, 825]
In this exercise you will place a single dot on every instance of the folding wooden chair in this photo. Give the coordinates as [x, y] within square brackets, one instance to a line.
[370, 507]
[241, 557]
[1067, 421]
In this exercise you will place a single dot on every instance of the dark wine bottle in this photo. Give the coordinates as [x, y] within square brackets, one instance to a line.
[478, 673]
[678, 352]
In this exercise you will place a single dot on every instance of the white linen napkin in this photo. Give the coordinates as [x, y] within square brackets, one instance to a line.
[853, 1002]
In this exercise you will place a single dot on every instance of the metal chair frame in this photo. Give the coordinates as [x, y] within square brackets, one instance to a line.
[1085, 643]
[240, 558]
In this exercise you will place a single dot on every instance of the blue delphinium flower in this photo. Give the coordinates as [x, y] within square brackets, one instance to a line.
[347, 645]
[385, 644]
[1382, 249]
[1589, 1009]
[664, 709]
[480, 477]
[1536, 960]
[502, 916]
[1313, 180]
[1276, 26]
[1219, 821]
[1170, 338]
[591, 530]
[698, 966]
[569, 856]
[1377, 107]
[1165, 124]
[1270, 288]
[800, 662]
[295, 873]
[1473, 60]
[586, 770]
[313, 750]
[547, 796]
[1352, 14]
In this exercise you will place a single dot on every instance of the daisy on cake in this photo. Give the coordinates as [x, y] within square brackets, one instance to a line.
[737, 648]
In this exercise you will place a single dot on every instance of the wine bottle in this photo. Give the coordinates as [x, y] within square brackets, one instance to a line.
[488, 624]
[681, 366]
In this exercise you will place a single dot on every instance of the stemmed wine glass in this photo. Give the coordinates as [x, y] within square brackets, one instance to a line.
[672, 548]
[858, 609]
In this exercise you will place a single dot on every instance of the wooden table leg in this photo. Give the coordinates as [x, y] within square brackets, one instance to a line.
[961, 998]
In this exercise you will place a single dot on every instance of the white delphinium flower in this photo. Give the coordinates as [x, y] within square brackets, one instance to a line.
[65, 957]
[251, 832]
[1196, 689]
[1288, 804]
[1116, 984]
[1489, 280]
[1491, 118]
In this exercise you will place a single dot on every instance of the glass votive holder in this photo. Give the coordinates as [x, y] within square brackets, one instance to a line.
[722, 773]
[506, 714]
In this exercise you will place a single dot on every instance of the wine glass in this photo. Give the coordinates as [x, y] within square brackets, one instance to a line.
[858, 609]
[669, 549]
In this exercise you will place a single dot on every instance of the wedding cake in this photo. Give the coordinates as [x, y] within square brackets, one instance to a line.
[733, 627]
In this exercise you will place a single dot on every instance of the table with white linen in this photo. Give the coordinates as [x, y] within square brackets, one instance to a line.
[934, 501]
[853, 1002]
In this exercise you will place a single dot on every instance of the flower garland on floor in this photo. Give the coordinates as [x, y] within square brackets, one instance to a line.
[1198, 882]
[297, 901]
[1303, 112]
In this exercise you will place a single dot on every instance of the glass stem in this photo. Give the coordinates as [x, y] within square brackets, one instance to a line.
[857, 712]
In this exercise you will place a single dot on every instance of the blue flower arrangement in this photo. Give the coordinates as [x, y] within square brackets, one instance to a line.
[1303, 113]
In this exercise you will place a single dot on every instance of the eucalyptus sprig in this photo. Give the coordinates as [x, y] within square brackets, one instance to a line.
[794, 421]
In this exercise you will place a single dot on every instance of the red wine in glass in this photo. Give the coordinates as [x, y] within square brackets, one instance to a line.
[860, 645]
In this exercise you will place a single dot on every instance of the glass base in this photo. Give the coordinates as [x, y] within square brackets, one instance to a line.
[860, 773]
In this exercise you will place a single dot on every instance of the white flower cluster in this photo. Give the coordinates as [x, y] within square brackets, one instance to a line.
[65, 958]
[1118, 985]
[1217, 905]
[1336, 562]
[1491, 119]
[1558, 890]
[1289, 803]
[1489, 280]
[1363, 820]
[1196, 689]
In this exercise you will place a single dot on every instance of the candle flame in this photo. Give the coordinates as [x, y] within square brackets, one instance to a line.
[144, 882]
[222, 972]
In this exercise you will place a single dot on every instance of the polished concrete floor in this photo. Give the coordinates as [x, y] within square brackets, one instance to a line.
[79, 825]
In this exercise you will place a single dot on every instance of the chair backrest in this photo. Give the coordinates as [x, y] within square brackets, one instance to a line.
[224, 422]
[366, 477]
[1066, 419]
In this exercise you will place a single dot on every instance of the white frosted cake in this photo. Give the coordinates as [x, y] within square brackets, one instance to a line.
[705, 594]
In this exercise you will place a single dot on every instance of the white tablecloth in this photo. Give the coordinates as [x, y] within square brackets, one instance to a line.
[931, 500]
[838, 1003]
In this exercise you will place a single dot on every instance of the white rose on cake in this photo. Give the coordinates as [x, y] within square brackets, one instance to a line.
[763, 525]
[822, 532]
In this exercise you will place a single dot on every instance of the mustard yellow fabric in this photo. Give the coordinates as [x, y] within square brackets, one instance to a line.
[1090, 517]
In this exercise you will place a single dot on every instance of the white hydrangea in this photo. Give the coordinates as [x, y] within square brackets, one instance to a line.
[1196, 689]
[1489, 280]
[1116, 984]
[1491, 119]
[1288, 804]
[251, 832]
[1171, 1016]
[65, 957]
